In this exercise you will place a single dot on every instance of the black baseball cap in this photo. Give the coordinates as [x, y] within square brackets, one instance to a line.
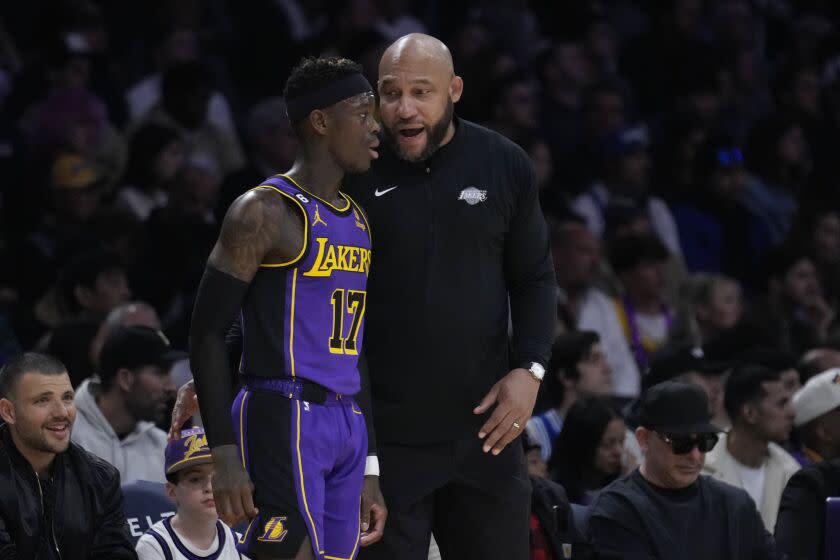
[675, 407]
[673, 363]
[134, 347]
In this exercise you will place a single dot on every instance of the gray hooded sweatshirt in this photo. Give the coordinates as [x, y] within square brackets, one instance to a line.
[138, 456]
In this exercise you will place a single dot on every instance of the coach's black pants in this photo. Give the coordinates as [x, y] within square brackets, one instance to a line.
[476, 504]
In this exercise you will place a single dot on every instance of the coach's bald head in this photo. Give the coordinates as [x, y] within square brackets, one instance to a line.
[417, 48]
[418, 89]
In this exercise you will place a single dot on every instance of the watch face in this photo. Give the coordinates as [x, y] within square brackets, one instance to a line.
[537, 370]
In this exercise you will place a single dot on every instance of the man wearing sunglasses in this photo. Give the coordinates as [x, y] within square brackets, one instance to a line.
[666, 509]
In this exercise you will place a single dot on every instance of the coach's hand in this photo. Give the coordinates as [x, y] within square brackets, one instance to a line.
[514, 396]
[186, 406]
[374, 513]
[233, 490]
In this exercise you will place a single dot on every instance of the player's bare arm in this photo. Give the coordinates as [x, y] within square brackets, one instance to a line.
[259, 228]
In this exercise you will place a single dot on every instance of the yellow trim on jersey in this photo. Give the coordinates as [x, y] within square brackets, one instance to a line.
[305, 228]
[358, 536]
[302, 486]
[242, 427]
[244, 537]
[315, 196]
[292, 325]
[364, 217]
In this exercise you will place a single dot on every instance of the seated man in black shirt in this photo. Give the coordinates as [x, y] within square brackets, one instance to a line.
[665, 509]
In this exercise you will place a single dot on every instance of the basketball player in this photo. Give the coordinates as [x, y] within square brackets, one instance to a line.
[292, 261]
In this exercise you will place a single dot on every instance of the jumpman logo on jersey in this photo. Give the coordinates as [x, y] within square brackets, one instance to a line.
[317, 219]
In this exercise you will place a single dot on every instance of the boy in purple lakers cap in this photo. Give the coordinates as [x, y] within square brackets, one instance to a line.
[195, 531]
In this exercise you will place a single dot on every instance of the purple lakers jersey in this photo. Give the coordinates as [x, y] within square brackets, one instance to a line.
[305, 318]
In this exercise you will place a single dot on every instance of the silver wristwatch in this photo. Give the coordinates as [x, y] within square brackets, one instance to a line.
[537, 371]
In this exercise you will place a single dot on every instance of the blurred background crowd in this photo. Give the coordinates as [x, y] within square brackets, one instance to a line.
[684, 150]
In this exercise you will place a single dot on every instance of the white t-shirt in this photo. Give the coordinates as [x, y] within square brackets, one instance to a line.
[597, 313]
[652, 327]
[753, 482]
[162, 534]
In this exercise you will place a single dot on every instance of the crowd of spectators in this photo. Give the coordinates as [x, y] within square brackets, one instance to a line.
[683, 152]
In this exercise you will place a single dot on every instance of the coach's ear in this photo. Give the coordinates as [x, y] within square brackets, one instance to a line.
[318, 121]
[456, 88]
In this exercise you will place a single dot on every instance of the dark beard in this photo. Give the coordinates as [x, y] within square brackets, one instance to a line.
[434, 136]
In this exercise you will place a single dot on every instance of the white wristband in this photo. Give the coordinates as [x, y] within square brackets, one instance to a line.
[372, 466]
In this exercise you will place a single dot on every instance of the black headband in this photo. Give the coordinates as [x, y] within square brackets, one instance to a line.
[349, 86]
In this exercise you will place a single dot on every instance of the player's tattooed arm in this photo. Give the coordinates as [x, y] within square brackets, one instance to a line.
[258, 225]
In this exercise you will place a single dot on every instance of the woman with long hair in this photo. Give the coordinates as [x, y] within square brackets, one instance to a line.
[157, 155]
[710, 305]
[588, 453]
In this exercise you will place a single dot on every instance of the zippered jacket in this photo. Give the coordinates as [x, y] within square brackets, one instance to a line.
[76, 514]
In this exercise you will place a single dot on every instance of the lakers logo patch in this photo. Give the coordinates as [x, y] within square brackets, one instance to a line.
[472, 196]
[275, 530]
[359, 223]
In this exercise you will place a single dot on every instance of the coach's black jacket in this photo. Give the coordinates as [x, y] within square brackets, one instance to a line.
[455, 238]
[78, 515]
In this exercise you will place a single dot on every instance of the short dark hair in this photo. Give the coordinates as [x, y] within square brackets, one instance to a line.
[83, 269]
[28, 362]
[176, 477]
[568, 349]
[628, 252]
[575, 447]
[313, 73]
[559, 226]
[745, 384]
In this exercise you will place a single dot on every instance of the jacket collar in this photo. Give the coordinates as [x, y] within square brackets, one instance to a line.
[21, 464]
